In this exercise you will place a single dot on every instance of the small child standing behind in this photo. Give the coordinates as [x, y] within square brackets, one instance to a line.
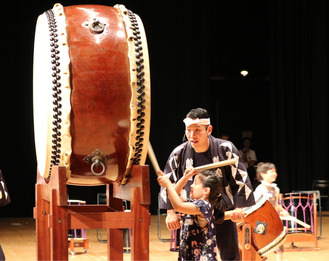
[198, 234]
[266, 174]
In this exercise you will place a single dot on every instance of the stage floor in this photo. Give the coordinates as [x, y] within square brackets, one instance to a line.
[17, 238]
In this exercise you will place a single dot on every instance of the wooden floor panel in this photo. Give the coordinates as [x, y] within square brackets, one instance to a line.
[17, 238]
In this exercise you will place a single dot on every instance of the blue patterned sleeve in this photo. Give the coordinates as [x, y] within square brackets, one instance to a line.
[205, 208]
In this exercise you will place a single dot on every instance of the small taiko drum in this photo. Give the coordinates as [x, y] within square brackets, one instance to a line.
[267, 231]
[300, 206]
[91, 93]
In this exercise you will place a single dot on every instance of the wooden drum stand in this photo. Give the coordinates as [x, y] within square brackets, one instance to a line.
[54, 217]
[247, 250]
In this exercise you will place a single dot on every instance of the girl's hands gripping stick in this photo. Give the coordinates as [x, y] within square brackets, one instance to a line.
[189, 173]
[163, 180]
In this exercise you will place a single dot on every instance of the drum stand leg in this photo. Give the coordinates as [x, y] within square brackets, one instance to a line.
[246, 242]
[51, 217]
[137, 191]
[54, 217]
[247, 250]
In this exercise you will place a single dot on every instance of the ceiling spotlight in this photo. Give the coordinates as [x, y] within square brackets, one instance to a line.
[244, 73]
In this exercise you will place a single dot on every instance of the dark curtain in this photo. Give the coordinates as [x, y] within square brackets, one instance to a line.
[299, 91]
[188, 42]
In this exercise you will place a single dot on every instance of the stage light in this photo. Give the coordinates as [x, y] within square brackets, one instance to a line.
[244, 73]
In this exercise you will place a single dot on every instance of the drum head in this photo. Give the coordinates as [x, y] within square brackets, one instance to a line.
[42, 95]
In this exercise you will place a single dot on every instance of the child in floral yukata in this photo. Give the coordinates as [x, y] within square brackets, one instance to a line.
[198, 234]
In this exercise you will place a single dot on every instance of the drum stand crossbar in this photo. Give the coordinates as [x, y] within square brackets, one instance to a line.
[54, 217]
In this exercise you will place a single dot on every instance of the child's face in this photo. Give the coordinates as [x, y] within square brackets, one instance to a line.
[270, 176]
[197, 189]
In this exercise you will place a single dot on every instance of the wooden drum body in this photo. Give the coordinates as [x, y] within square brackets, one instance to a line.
[91, 93]
[267, 231]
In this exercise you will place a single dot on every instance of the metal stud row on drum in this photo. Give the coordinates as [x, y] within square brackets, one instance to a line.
[55, 63]
[140, 88]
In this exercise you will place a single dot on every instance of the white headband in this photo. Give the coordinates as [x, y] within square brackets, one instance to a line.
[189, 121]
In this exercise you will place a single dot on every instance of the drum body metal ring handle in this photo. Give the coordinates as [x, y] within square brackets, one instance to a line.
[97, 164]
[95, 25]
[96, 160]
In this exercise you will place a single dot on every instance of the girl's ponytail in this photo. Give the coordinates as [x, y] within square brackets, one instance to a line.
[219, 209]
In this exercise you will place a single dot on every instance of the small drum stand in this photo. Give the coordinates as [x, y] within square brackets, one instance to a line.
[54, 217]
[247, 250]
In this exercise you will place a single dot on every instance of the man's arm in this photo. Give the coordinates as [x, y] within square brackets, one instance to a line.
[239, 180]
[172, 220]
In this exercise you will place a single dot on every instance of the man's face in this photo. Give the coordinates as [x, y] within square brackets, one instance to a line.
[197, 135]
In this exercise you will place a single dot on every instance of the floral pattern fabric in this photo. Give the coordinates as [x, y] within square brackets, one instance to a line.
[197, 243]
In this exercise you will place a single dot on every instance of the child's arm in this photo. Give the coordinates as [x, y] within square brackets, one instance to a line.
[278, 207]
[181, 183]
[235, 215]
[179, 205]
[176, 201]
[282, 211]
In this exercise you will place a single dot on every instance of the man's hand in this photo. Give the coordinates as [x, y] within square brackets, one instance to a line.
[172, 220]
[237, 215]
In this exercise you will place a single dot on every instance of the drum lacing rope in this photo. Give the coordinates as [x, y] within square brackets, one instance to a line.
[140, 89]
[56, 134]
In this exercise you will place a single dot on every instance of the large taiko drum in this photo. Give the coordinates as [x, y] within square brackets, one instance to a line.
[301, 206]
[91, 93]
[267, 231]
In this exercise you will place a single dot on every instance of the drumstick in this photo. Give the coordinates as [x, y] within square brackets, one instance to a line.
[156, 167]
[153, 159]
[291, 218]
[216, 164]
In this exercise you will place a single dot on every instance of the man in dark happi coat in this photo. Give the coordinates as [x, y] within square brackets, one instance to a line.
[201, 149]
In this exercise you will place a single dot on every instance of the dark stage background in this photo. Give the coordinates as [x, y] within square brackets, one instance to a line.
[197, 50]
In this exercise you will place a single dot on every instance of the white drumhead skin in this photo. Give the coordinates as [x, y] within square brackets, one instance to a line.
[43, 93]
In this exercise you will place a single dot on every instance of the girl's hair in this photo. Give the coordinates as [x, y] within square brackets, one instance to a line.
[210, 179]
[263, 167]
